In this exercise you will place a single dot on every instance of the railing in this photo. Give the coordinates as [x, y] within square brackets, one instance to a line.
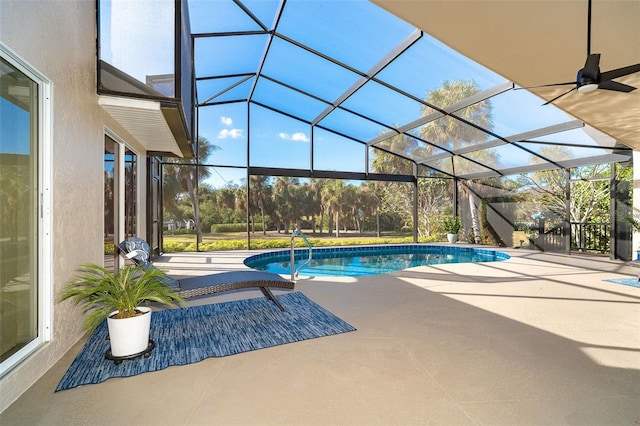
[551, 240]
[591, 237]
[586, 237]
[295, 271]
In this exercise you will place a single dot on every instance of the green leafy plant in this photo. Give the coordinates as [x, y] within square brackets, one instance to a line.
[452, 224]
[635, 223]
[101, 292]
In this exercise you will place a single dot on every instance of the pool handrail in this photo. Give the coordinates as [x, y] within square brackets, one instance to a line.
[294, 272]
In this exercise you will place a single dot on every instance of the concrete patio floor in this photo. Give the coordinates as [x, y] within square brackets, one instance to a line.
[537, 339]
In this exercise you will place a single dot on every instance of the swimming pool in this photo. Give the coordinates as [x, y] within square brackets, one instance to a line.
[368, 260]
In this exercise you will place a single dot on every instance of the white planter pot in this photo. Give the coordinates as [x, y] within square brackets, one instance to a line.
[452, 238]
[129, 336]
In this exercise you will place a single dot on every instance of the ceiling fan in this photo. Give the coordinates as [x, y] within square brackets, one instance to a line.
[590, 78]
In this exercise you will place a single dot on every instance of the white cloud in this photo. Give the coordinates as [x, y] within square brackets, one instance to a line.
[227, 121]
[298, 136]
[230, 133]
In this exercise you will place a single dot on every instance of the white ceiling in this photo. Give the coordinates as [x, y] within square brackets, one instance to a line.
[533, 42]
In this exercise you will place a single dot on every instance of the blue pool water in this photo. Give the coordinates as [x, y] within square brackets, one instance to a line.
[374, 260]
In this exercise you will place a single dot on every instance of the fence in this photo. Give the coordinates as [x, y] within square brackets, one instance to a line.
[586, 237]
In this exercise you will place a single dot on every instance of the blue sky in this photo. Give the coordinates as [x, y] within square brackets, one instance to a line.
[15, 129]
[330, 28]
[356, 33]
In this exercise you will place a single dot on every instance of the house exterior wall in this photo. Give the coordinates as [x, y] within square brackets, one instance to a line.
[58, 38]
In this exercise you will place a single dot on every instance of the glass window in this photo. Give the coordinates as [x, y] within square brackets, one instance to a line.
[137, 38]
[110, 203]
[130, 193]
[120, 182]
[23, 302]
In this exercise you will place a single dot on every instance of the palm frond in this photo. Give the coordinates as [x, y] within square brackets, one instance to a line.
[100, 292]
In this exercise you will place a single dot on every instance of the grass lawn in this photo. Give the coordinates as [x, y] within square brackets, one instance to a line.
[238, 240]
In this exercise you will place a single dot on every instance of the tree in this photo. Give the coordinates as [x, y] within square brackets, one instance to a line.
[452, 134]
[332, 199]
[589, 192]
[284, 197]
[260, 196]
[186, 173]
[316, 206]
[397, 197]
[446, 132]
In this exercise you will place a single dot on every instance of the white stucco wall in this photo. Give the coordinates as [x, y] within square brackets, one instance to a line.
[58, 38]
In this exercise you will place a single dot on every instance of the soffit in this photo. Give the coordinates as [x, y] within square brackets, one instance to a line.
[144, 120]
[540, 42]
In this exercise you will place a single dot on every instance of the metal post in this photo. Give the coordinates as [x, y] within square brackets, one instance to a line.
[292, 258]
[415, 202]
[248, 175]
[567, 211]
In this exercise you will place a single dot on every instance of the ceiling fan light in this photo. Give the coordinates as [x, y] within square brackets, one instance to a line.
[586, 88]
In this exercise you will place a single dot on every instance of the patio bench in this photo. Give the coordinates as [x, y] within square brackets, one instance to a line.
[137, 250]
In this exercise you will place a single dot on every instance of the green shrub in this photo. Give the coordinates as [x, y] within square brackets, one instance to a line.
[174, 247]
[258, 243]
[181, 231]
[218, 228]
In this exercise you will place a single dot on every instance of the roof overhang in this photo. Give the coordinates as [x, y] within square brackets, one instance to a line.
[157, 126]
[533, 42]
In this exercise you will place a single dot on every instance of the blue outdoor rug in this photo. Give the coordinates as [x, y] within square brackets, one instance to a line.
[185, 336]
[633, 282]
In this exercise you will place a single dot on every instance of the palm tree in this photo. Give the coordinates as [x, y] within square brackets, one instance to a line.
[385, 162]
[260, 194]
[452, 134]
[317, 208]
[284, 197]
[186, 173]
[332, 199]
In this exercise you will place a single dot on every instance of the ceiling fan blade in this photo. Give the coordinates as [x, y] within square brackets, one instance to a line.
[615, 86]
[558, 97]
[590, 70]
[546, 85]
[619, 72]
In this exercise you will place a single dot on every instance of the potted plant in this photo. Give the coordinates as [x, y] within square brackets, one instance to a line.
[118, 298]
[452, 226]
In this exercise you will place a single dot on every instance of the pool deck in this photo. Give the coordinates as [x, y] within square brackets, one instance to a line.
[536, 339]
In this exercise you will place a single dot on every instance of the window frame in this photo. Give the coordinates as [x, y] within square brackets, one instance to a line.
[44, 200]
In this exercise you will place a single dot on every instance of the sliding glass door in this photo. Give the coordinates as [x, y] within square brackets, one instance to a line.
[120, 198]
[23, 302]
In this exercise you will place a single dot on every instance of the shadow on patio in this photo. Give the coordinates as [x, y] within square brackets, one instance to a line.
[523, 341]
